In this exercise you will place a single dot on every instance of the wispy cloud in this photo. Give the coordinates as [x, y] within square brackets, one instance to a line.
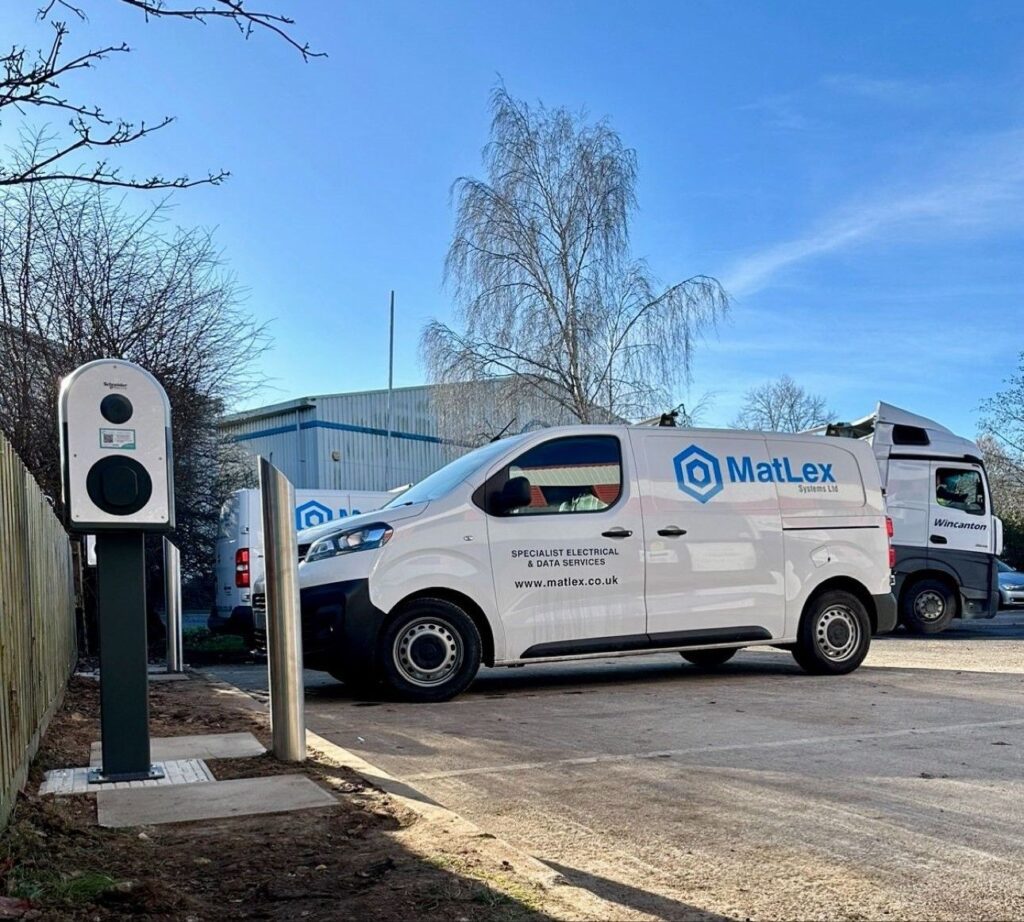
[892, 90]
[978, 190]
[780, 111]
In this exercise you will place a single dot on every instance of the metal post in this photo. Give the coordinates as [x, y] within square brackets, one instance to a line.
[124, 679]
[172, 601]
[391, 383]
[284, 631]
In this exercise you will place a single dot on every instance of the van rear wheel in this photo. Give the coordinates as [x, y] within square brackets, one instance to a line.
[431, 651]
[835, 634]
[927, 607]
[708, 659]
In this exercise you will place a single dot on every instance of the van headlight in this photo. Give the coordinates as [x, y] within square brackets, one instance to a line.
[348, 540]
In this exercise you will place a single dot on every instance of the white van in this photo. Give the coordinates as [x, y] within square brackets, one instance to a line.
[947, 537]
[239, 560]
[588, 541]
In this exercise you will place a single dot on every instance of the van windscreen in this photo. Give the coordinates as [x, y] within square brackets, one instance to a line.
[451, 475]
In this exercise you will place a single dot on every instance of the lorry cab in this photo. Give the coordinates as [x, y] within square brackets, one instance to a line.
[589, 541]
[946, 535]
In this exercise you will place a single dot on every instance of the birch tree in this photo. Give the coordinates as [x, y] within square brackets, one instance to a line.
[548, 295]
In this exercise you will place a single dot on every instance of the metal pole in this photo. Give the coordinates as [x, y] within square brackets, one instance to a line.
[124, 682]
[391, 382]
[284, 631]
[172, 601]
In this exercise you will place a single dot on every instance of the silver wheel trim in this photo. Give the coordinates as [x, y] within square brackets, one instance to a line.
[929, 605]
[836, 615]
[416, 672]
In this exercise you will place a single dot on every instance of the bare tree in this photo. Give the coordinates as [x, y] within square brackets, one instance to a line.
[548, 295]
[81, 279]
[782, 406]
[1002, 443]
[33, 81]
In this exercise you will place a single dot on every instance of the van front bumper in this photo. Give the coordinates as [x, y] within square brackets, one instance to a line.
[340, 626]
[885, 613]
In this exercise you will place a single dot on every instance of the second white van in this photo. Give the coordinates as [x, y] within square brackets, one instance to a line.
[590, 541]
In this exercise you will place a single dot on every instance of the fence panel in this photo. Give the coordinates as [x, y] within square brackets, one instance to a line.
[37, 621]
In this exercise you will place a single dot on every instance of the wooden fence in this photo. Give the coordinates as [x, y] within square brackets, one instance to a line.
[37, 621]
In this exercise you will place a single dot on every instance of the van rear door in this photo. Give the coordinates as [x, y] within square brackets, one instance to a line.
[712, 538]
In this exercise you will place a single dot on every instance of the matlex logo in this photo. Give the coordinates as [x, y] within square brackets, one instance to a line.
[699, 472]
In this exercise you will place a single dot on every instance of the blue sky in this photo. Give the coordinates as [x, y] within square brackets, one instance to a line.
[853, 173]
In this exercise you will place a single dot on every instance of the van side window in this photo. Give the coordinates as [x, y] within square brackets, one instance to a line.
[960, 489]
[572, 474]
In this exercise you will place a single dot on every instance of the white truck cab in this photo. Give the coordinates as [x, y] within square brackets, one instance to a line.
[587, 541]
[947, 537]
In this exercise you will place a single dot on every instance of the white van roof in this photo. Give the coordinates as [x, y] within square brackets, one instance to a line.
[890, 430]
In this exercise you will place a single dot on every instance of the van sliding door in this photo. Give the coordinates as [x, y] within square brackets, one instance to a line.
[712, 538]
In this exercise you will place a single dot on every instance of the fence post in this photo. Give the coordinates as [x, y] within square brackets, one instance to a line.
[284, 633]
[172, 602]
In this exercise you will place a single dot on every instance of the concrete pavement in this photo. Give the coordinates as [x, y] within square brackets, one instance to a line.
[754, 792]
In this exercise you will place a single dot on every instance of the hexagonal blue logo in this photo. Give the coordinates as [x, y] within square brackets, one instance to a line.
[698, 473]
[312, 513]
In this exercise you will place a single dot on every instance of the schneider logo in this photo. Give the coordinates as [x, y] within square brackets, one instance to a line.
[699, 473]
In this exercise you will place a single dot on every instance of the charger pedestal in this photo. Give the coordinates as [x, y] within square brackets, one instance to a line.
[124, 659]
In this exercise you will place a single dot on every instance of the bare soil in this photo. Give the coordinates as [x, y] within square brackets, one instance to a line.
[363, 859]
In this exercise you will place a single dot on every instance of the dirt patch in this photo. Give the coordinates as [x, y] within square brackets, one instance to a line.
[365, 858]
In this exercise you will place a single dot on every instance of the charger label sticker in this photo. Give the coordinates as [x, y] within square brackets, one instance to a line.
[123, 439]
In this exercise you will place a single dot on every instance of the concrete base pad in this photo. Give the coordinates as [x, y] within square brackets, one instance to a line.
[62, 781]
[156, 674]
[215, 800]
[203, 746]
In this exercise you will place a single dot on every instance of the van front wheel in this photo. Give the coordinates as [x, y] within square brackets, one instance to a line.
[431, 651]
[835, 633]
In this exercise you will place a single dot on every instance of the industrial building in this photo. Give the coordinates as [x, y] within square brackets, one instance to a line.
[352, 442]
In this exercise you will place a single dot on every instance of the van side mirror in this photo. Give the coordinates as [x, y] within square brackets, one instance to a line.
[515, 494]
[998, 548]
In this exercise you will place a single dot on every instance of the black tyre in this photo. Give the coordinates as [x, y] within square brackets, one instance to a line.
[835, 634]
[430, 652]
[708, 659]
[928, 606]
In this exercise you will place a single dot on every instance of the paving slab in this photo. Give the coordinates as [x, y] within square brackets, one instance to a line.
[213, 800]
[63, 781]
[199, 746]
[156, 674]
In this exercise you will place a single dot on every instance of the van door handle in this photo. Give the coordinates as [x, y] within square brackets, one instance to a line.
[617, 533]
[938, 539]
[672, 531]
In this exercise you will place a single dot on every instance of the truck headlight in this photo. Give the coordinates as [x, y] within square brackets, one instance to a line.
[348, 540]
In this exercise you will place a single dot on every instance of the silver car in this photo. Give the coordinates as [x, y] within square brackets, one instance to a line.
[1011, 586]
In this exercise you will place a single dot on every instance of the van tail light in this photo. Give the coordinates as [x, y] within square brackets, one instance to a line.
[888, 534]
[888, 526]
[242, 568]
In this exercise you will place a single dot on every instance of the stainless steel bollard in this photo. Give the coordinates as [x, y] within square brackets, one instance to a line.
[172, 601]
[284, 632]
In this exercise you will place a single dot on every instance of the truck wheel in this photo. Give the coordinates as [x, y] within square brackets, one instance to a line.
[834, 636]
[927, 607]
[708, 659]
[431, 651]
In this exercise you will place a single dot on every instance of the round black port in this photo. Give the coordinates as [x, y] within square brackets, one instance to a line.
[116, 408]
[119, 485]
